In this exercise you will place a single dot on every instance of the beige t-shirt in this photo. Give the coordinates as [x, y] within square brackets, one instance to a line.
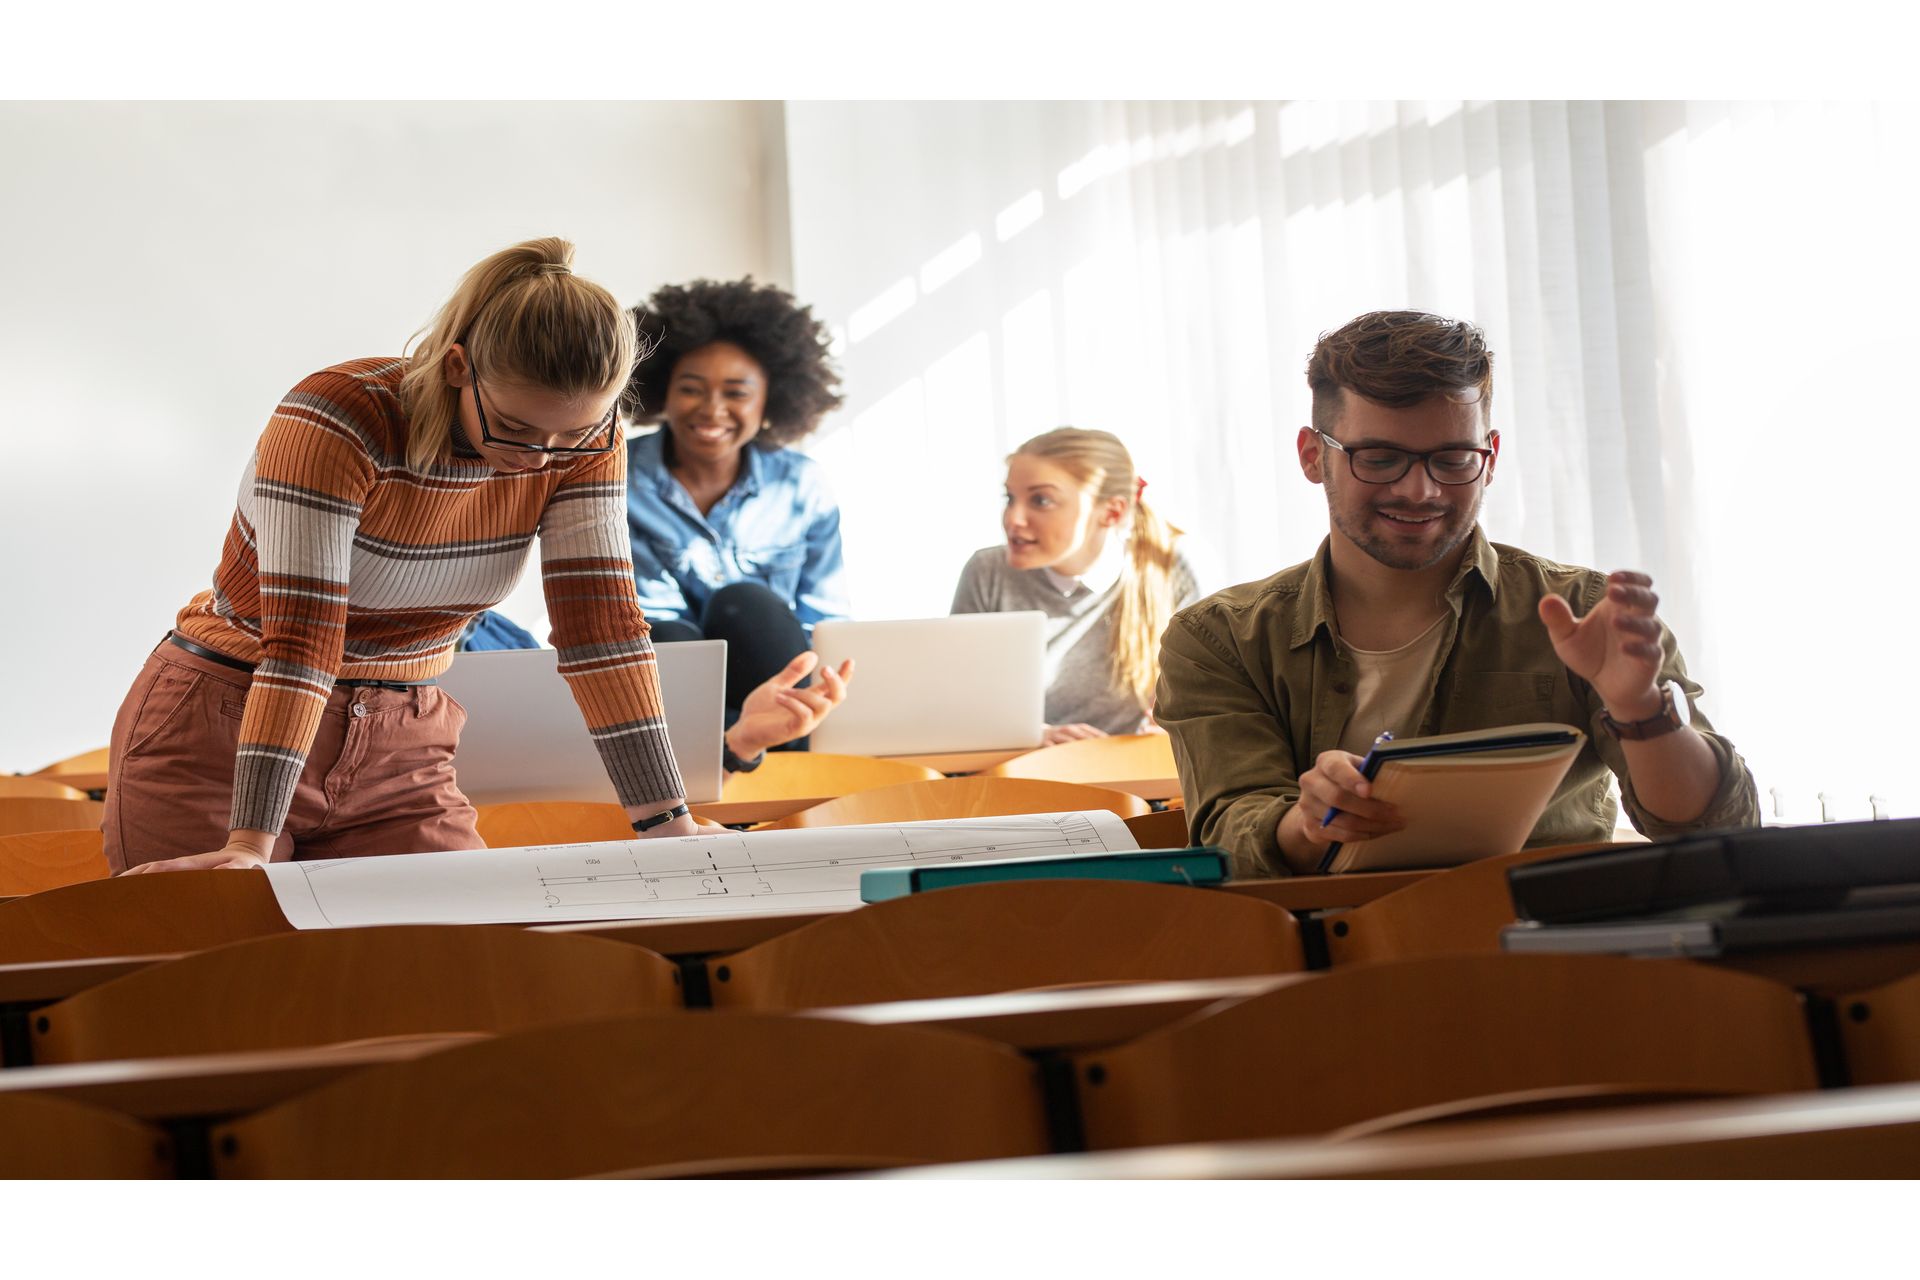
[1389, 688]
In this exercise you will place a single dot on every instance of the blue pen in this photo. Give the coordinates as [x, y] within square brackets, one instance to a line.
[1378, 743]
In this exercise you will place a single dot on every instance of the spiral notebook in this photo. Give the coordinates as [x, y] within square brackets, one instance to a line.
[1464, 795]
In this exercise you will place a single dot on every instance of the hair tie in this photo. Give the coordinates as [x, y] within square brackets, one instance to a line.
[1139, 488]
[552, 269]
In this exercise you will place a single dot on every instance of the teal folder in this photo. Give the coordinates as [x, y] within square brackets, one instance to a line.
[1201, 866]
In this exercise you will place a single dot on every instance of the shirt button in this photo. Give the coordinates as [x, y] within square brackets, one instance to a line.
[359, 709]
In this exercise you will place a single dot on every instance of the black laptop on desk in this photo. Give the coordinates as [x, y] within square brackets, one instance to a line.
[1727, 891]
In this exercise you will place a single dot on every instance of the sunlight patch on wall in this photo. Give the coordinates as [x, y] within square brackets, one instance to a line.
[883, 310]
[1018, 216]
[950, 262]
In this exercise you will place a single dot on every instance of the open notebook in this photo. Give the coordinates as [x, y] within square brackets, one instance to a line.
[1464, 795]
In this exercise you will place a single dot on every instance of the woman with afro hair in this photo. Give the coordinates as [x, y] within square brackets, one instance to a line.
[735, 536]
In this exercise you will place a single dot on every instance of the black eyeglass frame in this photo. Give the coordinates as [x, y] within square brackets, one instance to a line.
[1407, 458]
[611, 427]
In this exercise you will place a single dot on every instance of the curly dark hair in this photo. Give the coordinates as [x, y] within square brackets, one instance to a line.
[762, 320]
[1398, 359]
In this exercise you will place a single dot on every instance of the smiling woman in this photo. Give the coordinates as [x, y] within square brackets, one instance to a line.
[292, 712]
[735, 536]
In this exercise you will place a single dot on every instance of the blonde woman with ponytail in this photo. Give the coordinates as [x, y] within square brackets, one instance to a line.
[1083, 547]
[292, 711]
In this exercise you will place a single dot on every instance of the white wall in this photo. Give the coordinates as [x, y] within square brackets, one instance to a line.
[167, 270]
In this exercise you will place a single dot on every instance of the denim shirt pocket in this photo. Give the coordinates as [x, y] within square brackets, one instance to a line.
[777, 567]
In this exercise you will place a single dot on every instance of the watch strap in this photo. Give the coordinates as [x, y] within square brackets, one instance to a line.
[661, 819]
[1664, 721]
[734, 764]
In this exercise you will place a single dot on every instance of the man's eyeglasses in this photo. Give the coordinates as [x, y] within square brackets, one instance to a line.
[1379, 464]
[597, 439]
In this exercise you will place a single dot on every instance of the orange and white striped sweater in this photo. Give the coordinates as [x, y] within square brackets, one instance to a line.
[343, 563]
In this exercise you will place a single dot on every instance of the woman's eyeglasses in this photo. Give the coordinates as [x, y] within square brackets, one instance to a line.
[597, 439]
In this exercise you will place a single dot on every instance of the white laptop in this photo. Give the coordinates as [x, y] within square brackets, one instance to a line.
[526, 740]
[971, 682]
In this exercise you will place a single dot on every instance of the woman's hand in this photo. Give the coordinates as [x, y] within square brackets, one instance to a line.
[243, 849]
[777, 712]
[1059, 733]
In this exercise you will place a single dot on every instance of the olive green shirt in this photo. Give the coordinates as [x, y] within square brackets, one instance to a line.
[1255, 683]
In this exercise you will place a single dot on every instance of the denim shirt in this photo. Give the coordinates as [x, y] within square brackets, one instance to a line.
[778, 525]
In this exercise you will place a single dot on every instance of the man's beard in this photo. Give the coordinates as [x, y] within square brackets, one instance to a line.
[1456, 528]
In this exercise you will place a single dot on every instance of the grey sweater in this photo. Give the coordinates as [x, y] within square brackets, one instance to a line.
[1080, 685]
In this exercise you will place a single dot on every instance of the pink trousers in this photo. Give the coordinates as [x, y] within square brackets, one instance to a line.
[379, 778]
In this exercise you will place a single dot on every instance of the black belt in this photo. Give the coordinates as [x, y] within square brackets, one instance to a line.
[214, 655]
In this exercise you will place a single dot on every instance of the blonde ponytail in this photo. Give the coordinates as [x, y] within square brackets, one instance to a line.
[1100, 463]
[523, 316]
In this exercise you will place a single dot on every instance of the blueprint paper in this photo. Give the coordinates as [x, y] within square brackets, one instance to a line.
[737, 873]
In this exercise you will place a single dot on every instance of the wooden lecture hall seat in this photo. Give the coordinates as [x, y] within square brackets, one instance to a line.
[1880, 1031]
[321, 986]
[1124, 761]
[1351, 1045]
[659, 1092]
[1451, 912]
[87, 762]
[37, 860]
[1003, 937]
[139, 915]
[56, 1138]
[13, 786]
[961, 798]
[48, 813]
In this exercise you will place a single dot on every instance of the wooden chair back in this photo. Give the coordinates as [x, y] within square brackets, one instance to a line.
[659, 1091]
[960, 798]
[48, 813]
[43, 1137]
[1347, 1046]
[329, 985]
[1454, 912]
[38, 860]
[1123, 758]
[1166, 829]
[1880, 1032]
[515, 826]
[139, 915]
[789, 775]
[88, 762]
[984, 939]
[13, 785]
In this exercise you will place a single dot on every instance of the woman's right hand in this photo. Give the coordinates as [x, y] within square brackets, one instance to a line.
[1059, 733]
[241, 852]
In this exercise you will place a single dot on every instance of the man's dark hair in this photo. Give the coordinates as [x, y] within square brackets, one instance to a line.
[760, 319]
[1399, 359]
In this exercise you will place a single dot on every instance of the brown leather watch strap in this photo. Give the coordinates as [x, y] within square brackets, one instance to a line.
[1665, 721]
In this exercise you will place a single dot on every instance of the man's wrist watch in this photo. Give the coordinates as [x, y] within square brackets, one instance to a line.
[1663, 721]
[660, 819]
[734, 764]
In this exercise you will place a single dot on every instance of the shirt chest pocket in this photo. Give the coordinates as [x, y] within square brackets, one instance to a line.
[776, 567]
[1489, 699]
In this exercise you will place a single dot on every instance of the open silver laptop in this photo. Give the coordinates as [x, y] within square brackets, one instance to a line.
[525, 738]
[972, 682]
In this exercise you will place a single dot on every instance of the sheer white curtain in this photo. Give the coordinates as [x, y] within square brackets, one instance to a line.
[1700, 315]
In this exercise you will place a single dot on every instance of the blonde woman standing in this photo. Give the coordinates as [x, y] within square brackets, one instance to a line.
[292, 712]
[1083, 547]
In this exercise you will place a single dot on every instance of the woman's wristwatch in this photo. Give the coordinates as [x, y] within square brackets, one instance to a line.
[734, 764]
[661, 819]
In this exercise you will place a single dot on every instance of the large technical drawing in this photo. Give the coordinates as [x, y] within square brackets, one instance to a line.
[738, 872]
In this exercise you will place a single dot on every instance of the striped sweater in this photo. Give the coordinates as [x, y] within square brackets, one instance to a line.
[343, 563]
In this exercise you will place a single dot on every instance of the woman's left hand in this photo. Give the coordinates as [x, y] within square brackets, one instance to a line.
[777, 712]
